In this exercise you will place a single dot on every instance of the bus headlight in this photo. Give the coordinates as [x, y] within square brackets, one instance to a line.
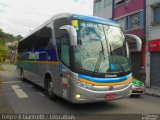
[77, 96]
[82, 84]
[85, 85]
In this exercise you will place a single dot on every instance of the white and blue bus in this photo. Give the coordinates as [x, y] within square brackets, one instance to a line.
[80, 58]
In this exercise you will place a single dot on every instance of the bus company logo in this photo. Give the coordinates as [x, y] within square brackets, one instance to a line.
[110, 87]
[111, 76]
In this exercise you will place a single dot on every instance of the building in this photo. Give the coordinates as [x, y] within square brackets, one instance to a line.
[130, 14]
[153, 43]
[103, 8]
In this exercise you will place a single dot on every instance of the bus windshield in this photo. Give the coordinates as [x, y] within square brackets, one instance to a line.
[101, 48]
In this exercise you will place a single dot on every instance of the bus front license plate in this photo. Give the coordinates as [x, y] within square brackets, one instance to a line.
[138, 90]
[110, 96]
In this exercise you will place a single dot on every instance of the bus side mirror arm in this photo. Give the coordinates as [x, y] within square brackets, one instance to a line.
[72, 34]
[136, 39]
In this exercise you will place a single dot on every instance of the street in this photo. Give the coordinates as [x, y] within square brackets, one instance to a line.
[33, 100]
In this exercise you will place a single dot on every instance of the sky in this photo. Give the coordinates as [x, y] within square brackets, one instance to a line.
[20, 17]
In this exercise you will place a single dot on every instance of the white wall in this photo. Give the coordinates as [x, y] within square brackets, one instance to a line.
[105, 12]
[152, 31]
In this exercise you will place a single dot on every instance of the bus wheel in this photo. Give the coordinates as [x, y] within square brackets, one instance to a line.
[49, 88]
[22, 74]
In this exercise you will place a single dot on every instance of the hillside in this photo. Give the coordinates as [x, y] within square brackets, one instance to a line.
[9, 37]
[6, 38]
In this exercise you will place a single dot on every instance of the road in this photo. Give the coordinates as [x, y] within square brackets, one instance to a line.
[32, 100]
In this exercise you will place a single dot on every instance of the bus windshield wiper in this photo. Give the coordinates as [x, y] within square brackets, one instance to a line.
[99, 60]
[121, 68]
[98, 63]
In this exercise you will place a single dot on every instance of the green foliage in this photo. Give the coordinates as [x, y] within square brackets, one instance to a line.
[4, 38]
[19, 37]
[1, 34]
[9, 37]
[3, 54]
[3, 51]
[1, 68]
[2, 41]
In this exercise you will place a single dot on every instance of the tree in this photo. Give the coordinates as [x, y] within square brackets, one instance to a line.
[1, 34]
[3, 54]
[5, 38]
[19, 37]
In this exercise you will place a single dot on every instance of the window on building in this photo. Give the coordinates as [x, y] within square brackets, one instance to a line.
[122, 22]
[98, 5]
[107, 3]
[118, 2]
[157, 14]
[135, 20]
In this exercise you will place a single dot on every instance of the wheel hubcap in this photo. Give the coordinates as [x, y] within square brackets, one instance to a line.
[50, 88]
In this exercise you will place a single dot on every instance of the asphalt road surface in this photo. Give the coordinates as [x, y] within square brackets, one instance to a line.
[32, 100]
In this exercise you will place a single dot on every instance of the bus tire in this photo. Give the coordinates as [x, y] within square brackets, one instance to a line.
[22, 74]
[49, 88]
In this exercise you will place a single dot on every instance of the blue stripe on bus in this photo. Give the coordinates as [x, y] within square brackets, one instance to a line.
[105, 80]
[44, 54]
[93, 19]
[47, 53]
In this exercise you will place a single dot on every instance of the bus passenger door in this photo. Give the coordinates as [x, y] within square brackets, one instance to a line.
[62, 82]
[65, 65]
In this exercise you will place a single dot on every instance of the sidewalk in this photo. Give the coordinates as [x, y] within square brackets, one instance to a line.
[152, 91]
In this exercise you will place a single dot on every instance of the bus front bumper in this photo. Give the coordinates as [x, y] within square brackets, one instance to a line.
[82, 95]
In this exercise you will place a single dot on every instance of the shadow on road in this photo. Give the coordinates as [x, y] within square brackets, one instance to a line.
[136, 96]
[99, 107]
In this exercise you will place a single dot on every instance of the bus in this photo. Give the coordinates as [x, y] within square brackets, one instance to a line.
[79, 58]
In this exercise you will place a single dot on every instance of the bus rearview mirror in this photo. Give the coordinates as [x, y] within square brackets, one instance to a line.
[72, 34]
[134, 38]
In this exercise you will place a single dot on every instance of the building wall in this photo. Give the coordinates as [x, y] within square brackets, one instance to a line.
[152, 34]
[100, 13]
[128, 7]
[153, 30]
[127, 10]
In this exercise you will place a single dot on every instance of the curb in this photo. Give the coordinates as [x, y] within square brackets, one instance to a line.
[152, 94]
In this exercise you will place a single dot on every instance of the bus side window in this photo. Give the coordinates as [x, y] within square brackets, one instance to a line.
[65, 48]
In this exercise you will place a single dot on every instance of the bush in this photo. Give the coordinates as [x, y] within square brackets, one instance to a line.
[1, 68]
[3, 54]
